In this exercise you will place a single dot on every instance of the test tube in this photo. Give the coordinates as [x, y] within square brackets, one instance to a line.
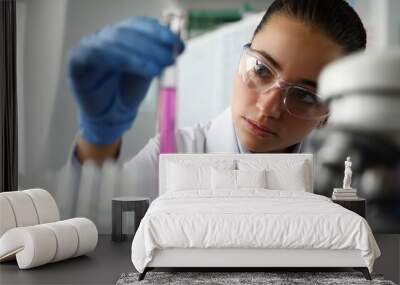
[168, 93]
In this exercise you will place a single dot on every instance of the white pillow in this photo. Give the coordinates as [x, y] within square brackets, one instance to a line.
[251, 178]
[282, 174]
[237, 179]
[223, 179]
[181, 178]
[187, 174]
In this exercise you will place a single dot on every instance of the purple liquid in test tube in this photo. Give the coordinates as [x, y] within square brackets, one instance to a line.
[167, 113]
[167, 99]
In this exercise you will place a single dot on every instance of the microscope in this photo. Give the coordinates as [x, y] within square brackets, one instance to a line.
[362, 91]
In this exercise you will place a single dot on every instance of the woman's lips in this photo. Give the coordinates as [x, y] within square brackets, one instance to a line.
[257, 130]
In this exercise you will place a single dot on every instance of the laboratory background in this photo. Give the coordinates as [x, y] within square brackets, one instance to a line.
[48, 29]
[215, 32]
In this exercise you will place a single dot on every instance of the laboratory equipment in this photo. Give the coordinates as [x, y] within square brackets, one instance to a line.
[363, 93]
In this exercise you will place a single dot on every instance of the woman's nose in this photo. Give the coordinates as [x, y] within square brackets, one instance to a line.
[270, 103]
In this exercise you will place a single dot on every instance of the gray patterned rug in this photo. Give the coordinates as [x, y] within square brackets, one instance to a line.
[243, 278]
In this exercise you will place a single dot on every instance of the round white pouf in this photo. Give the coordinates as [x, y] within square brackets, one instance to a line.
[6, 216]
[67, 240]
[45, 205]
[87, 233]
[23, 208]
[40, 244]
[33, 246]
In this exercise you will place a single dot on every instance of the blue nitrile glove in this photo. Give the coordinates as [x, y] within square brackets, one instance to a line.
[110, 72]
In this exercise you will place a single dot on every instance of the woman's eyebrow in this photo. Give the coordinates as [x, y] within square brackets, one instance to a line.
[269, 59]
[309, 82]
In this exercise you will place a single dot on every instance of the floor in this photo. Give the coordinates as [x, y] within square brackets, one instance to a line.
[389, 263]
[110, 259]
[103, 266]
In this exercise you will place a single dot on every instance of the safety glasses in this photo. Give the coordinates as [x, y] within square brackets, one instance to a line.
[260, 75]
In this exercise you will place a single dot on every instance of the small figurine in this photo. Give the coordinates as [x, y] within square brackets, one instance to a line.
[347, 174]
[345, 193]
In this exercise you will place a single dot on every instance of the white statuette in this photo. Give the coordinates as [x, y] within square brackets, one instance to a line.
[347, 174]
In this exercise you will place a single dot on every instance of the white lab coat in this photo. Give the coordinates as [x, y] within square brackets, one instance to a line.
[91, 188]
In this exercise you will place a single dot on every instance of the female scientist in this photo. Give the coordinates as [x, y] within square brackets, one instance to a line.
[273, 107]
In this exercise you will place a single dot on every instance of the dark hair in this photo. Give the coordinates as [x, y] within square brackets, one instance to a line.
[334, 17]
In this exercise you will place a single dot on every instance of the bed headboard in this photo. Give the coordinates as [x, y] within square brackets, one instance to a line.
[209, 158]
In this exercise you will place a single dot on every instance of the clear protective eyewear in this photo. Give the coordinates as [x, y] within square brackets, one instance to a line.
[260, 75]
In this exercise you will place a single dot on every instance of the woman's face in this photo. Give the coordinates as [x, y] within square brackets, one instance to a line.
[300, 52]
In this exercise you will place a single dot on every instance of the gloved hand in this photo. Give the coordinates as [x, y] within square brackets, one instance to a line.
[110, 71]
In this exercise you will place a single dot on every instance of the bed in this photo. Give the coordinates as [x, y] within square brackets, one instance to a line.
[247, 211]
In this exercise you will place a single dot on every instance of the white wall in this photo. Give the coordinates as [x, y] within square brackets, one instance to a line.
[382, 21]
[394, 25]
[43, 26]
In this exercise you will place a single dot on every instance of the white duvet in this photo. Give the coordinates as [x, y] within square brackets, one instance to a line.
[251, 218]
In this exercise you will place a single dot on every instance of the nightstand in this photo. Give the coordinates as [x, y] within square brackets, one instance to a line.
[139, 205]
[357, 205]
